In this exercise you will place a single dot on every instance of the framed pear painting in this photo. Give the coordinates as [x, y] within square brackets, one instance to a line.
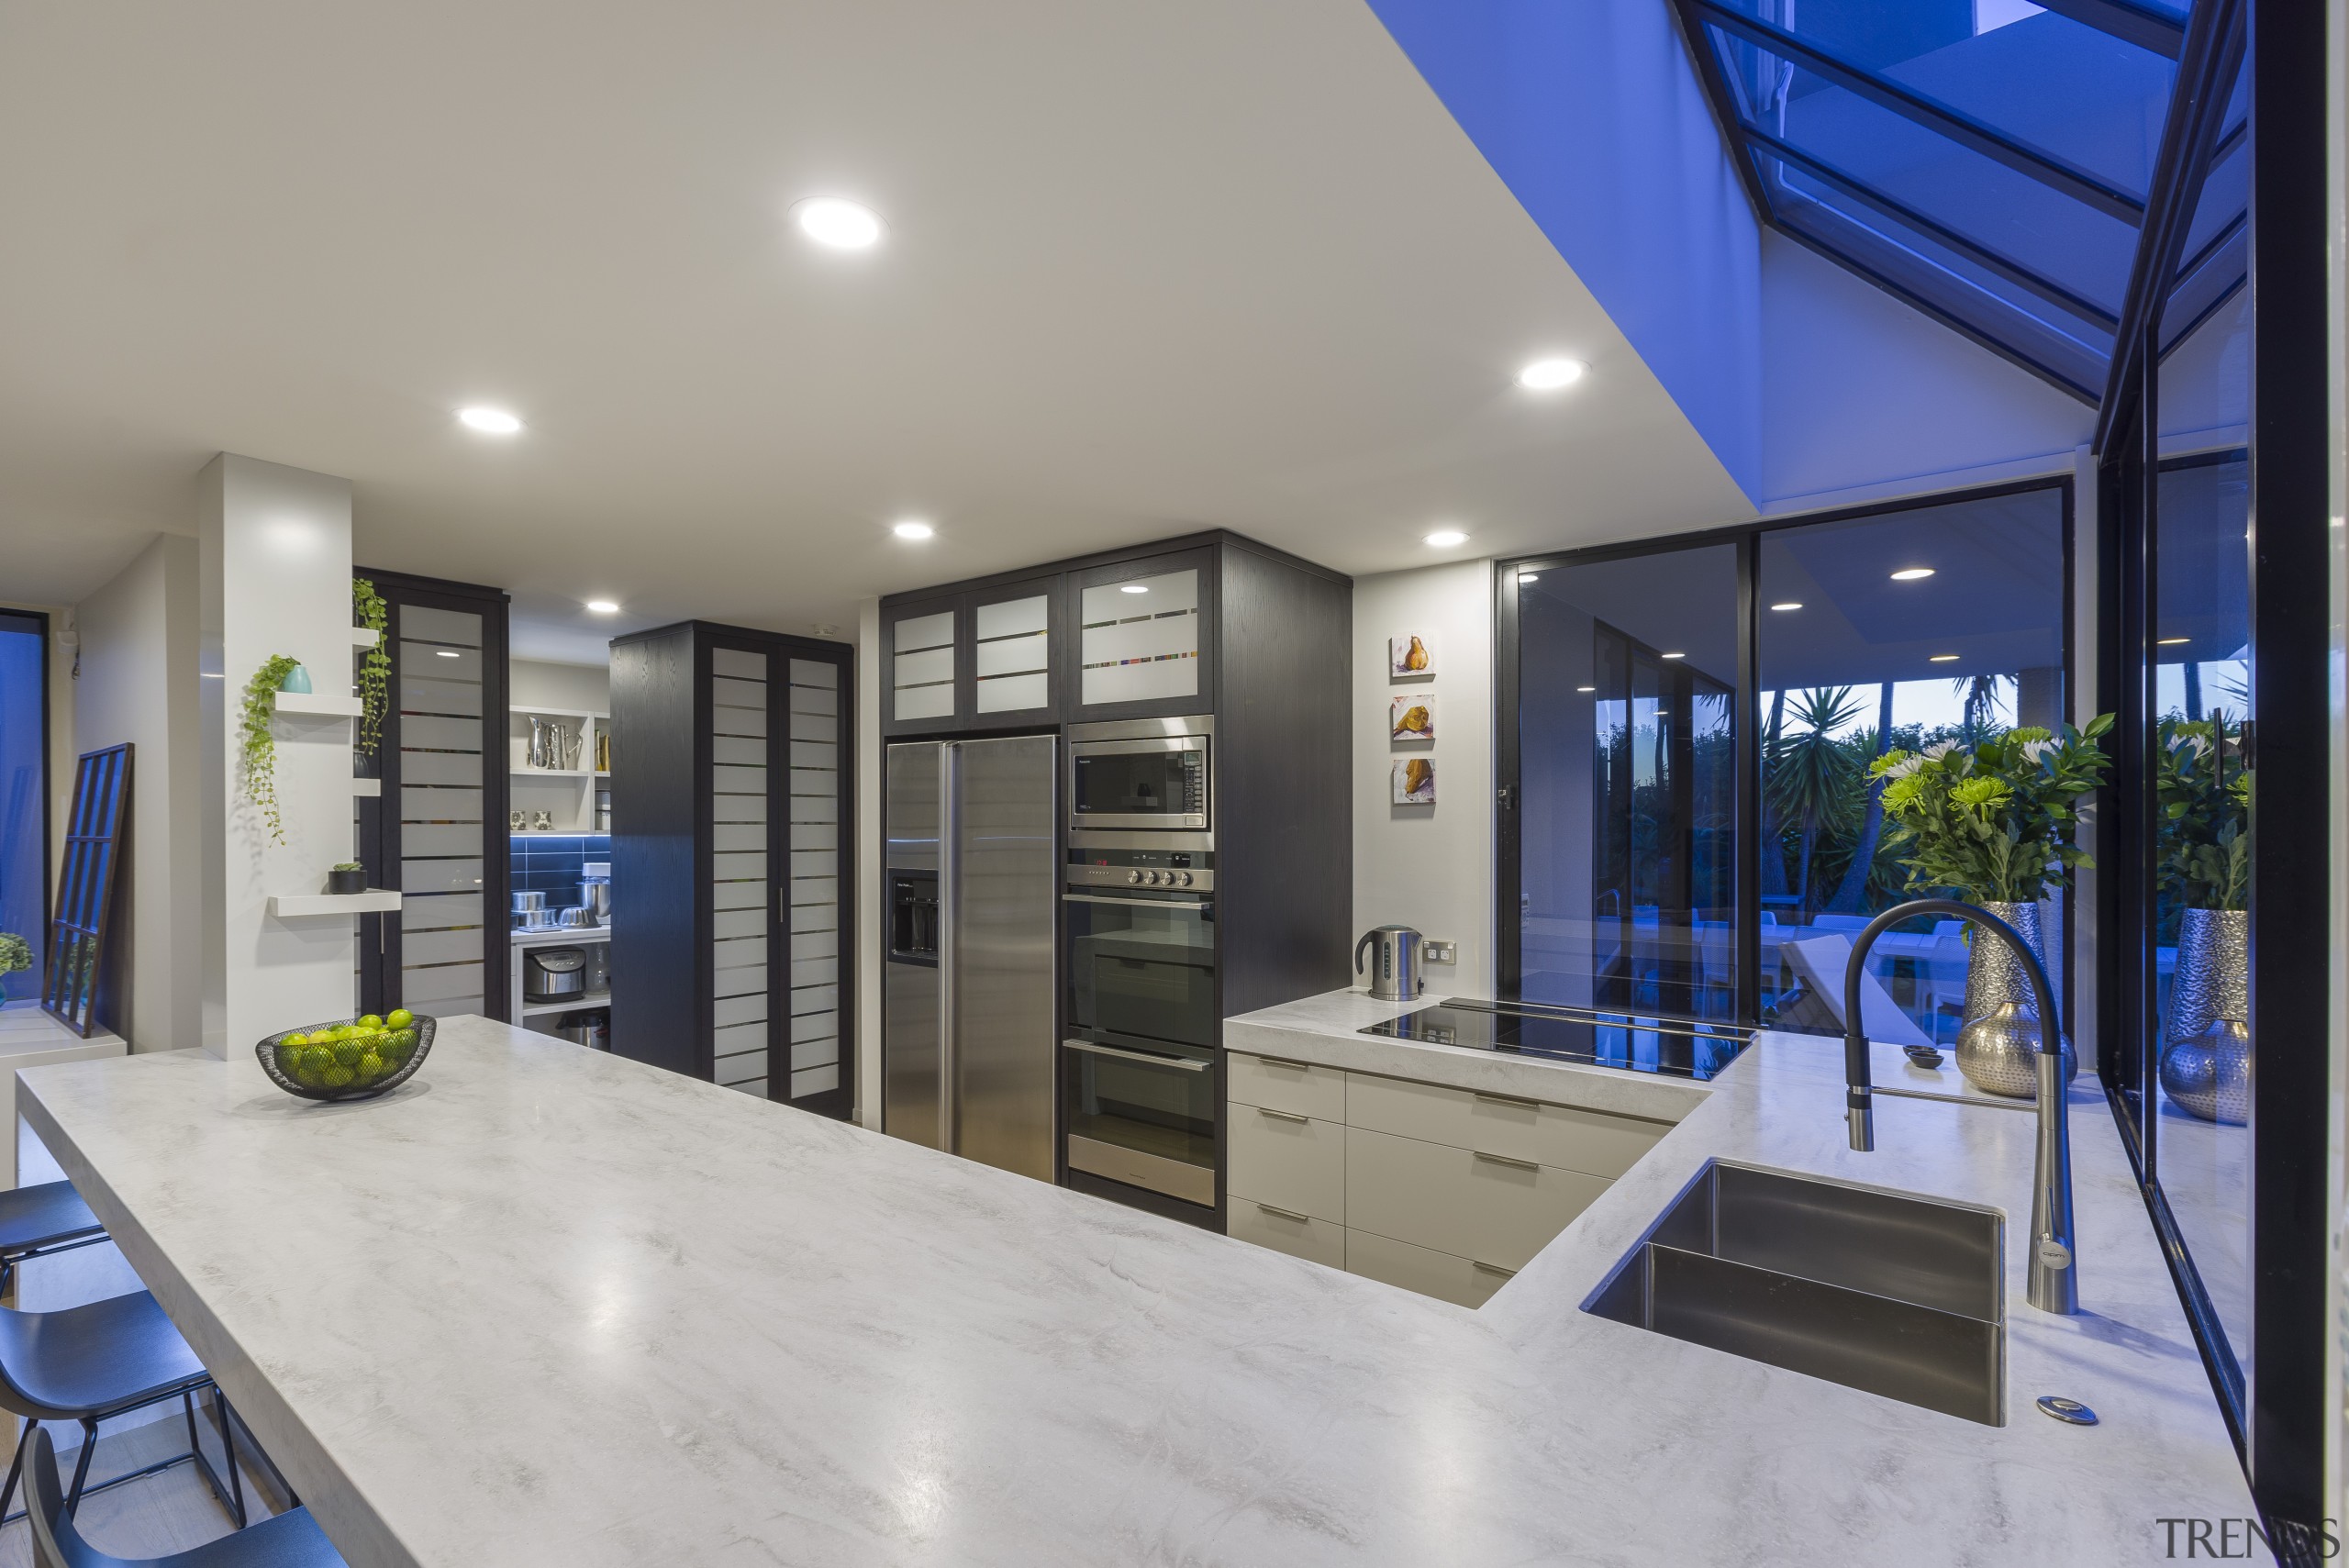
[1411, 717]
[1410, 655]
[1414, 781]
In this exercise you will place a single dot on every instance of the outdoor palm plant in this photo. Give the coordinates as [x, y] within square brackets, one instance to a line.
[1814, 778]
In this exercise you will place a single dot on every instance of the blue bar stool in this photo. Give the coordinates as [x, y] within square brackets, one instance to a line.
[291, 1539]
[92, 1363]
[38, 1221]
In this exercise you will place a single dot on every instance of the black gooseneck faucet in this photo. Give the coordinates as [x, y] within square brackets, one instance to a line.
[2055, 1283]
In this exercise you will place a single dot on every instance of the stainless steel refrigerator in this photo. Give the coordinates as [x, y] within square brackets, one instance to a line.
[969, 985]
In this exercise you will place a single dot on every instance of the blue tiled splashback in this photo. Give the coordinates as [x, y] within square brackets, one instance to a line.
[549, 864]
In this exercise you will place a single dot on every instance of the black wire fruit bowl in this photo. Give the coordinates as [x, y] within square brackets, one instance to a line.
[352, 1058]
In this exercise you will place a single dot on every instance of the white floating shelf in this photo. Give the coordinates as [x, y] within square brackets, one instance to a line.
[319, 702]
[367, 786]
[591, 1000]
[363, 637]
[303, 905]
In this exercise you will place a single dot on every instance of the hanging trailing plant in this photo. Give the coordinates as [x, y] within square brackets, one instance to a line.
[257, 749]
[375, 671]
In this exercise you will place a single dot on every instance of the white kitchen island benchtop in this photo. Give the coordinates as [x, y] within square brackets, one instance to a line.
[542, 1306]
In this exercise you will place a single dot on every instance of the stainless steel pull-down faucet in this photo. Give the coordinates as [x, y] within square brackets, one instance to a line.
[2055, 1283]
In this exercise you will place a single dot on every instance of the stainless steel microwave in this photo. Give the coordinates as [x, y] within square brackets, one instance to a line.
[1142, 775]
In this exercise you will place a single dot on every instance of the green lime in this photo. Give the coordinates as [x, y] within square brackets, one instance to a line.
[296, 1037]
[317, 1058]
[289, 1058]
[347, 1052]
[371, 1067]
[371, 1021]
[336, 1077]
[399, 1017]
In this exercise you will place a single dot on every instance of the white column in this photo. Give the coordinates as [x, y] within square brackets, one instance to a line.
[276, 579]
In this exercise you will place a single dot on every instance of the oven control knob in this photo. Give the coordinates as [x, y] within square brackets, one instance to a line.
[1133, 876]
[1183, 878]
[1149, 878]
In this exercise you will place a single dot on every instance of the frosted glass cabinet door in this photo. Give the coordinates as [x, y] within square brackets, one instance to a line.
[1141, 637]
[1012, 651]
[739, 785]
[921, 668]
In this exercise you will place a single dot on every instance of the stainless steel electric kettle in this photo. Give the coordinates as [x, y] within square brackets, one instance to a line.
[1395, 972]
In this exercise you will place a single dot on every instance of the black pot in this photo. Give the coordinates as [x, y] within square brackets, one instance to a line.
[347, 881]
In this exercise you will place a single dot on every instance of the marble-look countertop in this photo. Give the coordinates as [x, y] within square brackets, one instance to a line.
[545, 1305]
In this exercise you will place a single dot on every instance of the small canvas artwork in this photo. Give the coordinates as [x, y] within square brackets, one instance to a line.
[1414, 781]
[1409, 655]
[1411, 717]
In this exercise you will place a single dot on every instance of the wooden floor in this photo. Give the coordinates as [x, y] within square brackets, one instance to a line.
[154, 1515]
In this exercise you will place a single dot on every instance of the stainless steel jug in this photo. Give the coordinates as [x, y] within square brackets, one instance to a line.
[1394, 974]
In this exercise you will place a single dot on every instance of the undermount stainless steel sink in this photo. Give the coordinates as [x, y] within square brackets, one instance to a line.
[1897, 1295]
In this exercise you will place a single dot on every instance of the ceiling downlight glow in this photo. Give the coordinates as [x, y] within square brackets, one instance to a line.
[912, 528]
[489, 421]
[1789, 605]
[1672, 656]
[1585, 688]
[446, 653]
[1529, 576]
[837, 223]
[1940, 658]
[1912, 574]
[2171, 641]
[1548, 375]
[1134, 588]
[603, 607]
[1445, 538]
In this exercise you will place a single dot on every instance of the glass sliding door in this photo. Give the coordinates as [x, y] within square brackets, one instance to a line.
[437, 829]
[1904, 629]
[1627, 826]
[24, 794]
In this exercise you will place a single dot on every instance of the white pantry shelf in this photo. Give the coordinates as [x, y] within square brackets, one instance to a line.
[367, 786]
[363, 637]
[305, 905]
[320, 703]
[591, 1000]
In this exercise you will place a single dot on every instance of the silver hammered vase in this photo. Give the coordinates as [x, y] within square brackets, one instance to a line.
[2206, 1031]
[1997, 1046]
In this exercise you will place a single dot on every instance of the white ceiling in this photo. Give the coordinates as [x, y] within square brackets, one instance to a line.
[1151, 268]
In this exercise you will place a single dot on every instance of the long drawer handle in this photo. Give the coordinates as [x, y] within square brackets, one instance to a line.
[1505, 1160]
[1508, 1100]
[1284, 1062]
[1283, 1116]
[1147, 1058]
[1492, 1269]
[1283, 1213]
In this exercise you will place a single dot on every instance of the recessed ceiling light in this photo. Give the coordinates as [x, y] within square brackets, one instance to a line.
[488, 422]
[446, 653]
[1445, 538]
[1789, 605]
[1548, 375]
[1585, 688]
[840, 224]
[2172, 641]
[1675, 656]
[1134, 588]
[912, 528]
[1912, 574]
[1940, 658]
[1529, 576]
[603, 607]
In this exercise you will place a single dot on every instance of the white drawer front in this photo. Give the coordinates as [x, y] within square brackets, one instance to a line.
[1299, 1086]
[1286, 1229]
[1593, 1142]
[1488, 1208]
[1439, 1274]
[1293, 1161]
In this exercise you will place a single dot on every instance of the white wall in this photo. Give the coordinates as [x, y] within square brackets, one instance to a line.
[1429, 866]
[586, 687]
[138, 684]
[275, 560]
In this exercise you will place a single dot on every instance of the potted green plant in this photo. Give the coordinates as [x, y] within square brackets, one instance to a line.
[16, 957]
[2203, 796]
[1993, 823]
[257, 743]
[349, 876]
[368, 610]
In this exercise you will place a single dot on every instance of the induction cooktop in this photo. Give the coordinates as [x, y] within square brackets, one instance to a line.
[1672, 1048]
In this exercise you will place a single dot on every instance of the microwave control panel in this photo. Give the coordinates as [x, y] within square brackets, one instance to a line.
[1191, 869]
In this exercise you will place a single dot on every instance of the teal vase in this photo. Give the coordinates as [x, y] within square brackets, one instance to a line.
[297, 679]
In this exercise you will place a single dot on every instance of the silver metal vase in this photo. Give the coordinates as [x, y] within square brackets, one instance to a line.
[1997, 1046]
[2206, 1033]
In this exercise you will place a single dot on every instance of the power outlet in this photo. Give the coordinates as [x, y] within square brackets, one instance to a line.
[1440, 953]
